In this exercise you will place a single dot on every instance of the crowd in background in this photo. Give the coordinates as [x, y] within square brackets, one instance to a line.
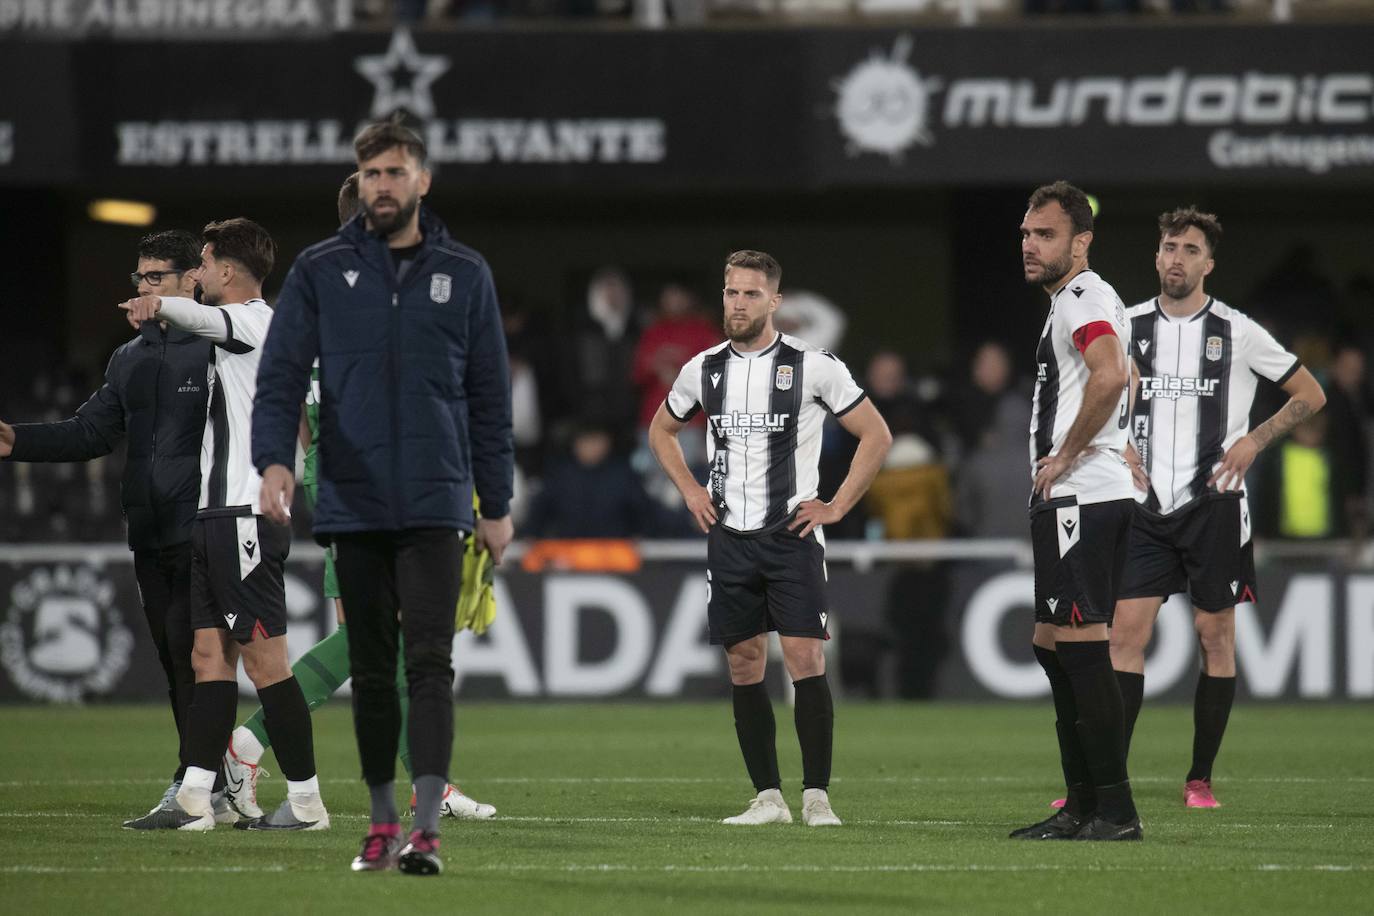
[585, 390]
[698, 11]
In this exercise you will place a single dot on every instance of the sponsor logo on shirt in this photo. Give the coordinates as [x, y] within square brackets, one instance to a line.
[737, 423]
[1172, 387]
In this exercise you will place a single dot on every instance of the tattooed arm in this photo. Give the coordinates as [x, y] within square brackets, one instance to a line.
[1305, 398]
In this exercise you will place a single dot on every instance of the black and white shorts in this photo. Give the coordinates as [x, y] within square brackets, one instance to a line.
[1079, 555]
[1204, 549]
[237, 565]
[773, 581]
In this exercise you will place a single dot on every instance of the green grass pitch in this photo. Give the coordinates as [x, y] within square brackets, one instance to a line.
[613, 808]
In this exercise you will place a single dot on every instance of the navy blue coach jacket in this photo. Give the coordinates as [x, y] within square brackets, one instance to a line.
[414, 383]
[153, 397]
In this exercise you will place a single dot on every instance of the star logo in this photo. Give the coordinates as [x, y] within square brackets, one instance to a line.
[402, 77]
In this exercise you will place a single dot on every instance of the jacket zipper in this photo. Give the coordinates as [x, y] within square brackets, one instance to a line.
[157, 420]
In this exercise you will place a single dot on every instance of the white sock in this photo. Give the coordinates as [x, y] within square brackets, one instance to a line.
[306, 787]
[197, 779]
[246, 745]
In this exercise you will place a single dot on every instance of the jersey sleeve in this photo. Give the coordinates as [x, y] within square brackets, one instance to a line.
[1265, 356]
[237, 327]
[1083, 318]
[684, 398]
[832, 383]
[245, 326]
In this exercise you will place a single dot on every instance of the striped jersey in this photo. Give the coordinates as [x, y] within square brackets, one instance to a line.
[764, 412]
[1077, 311]
[229, 483]
[1197, 382]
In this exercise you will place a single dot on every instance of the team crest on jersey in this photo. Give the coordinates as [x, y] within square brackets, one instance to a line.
[782, 379]
[1214, 348]
[440, 287]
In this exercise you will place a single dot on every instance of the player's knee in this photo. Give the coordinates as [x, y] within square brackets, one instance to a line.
[429, 658]
[805, 658]
[747, 661]
[1217, 639]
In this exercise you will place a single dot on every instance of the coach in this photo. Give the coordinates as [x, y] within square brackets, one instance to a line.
[414, 411]
[153, 397]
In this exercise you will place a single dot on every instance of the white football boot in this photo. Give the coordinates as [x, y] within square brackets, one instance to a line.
[456, 804]
[816, 809]
[241, 775]
[768, 807]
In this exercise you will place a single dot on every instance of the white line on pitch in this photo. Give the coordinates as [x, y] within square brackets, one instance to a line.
[135, 869]
[533, 819]
[610, 868]
[690, 780]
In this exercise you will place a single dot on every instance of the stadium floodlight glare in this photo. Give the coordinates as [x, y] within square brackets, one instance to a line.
[122, 212]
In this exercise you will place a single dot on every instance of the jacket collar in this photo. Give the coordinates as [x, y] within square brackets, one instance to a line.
[432, 229]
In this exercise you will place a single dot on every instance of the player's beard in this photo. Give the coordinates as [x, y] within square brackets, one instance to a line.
[1053, 271]
[747, 332]
[209, 298]
[398, 219]
[1177, 289]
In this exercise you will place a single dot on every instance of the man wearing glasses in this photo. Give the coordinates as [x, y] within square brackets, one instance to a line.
[154, 397]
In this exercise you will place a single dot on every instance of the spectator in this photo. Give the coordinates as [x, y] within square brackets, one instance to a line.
[602, 355]
[1296, 484]
[911, 492]
[678, 333]
[1347, 406]
[592, 494]
[994, 481]
[973, 406]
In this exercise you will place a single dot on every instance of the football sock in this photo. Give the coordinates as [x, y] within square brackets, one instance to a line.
[319, 671]
[1132, 696]
[303, 787]
[814, 715]
[247, 747]
[198, 778]
[1082, 800]
[1101, 725]
[213, 707]
[384, 804]
[1211, 709]
[429, 794]
[403, 695]
[288, 723]
[757, 733]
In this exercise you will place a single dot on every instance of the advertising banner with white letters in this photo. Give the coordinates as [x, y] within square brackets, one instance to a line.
[686, 110]
[73, 631]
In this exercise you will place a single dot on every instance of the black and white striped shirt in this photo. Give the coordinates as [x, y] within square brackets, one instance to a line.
[229, 484]
[1198, 379]
[764, 413]
[1078, 312]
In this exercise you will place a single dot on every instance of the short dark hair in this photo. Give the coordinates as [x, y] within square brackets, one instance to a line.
[348, 199]
[756, 260]
[1074, 201]
[380, 136]
[1176, 222]
[244, 241]
[178, 246]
